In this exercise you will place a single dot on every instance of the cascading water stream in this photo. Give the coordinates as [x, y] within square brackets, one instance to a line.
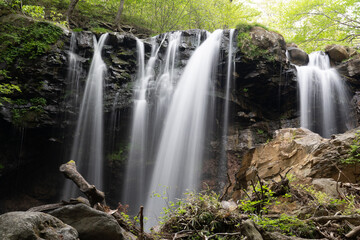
[324, 102]
[162, 88]
[134, 179]
[181, 146]
[223, 158]
[143, 138]
[87, 148]
[74, 71]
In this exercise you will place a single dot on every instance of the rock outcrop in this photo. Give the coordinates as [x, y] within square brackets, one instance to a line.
[302, 153]
[34, 225]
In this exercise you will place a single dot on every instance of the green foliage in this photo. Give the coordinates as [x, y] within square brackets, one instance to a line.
[167, 15]
[259, 205]
[354, 153]
[260, 131]
[39, 101]
[77, 29]
[19, 42]
[99, 30]
[288, 225]
[34, 11]
[1, 167]
[322, 199]
[120, 155]
[201, 212]
[7, 89]
[27, 111]
[58, 18]
[312, 24]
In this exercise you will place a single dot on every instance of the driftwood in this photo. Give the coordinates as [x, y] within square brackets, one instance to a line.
[94, 195]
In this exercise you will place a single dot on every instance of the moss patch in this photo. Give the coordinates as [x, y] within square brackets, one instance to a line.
[246, 45]
[20, 39]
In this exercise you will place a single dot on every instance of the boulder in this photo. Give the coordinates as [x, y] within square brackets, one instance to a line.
[328, 186]
[269, 40]
[337, 53]
[350, 68]
[355, 101]
[301, 152]
[90, 223]
[248, 228]
[34, 225]
[297, 56]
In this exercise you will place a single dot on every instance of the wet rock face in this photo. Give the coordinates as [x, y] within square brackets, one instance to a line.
[34, 225]
[264, 85]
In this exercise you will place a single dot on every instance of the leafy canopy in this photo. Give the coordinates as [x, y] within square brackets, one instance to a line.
[312, 24]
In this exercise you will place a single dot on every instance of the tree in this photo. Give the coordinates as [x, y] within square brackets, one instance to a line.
[118, 15]
[70, 10]
[315, 23]
[168, 15]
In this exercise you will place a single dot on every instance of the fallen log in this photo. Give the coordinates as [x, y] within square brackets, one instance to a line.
[94, 195]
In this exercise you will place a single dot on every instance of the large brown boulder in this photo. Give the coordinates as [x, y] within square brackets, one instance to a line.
[307, 154]
[337, 53]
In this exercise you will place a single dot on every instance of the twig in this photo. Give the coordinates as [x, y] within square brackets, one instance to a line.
[336, 218]
[227, 188]
[223, 234]
[183, 234]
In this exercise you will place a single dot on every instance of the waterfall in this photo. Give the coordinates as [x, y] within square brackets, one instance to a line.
[158, 90]
[87, 148]
[324, 102]
[223, 158]
[180, 151]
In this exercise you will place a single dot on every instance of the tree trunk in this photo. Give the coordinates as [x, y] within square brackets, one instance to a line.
[71, 9]
[118, 15]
